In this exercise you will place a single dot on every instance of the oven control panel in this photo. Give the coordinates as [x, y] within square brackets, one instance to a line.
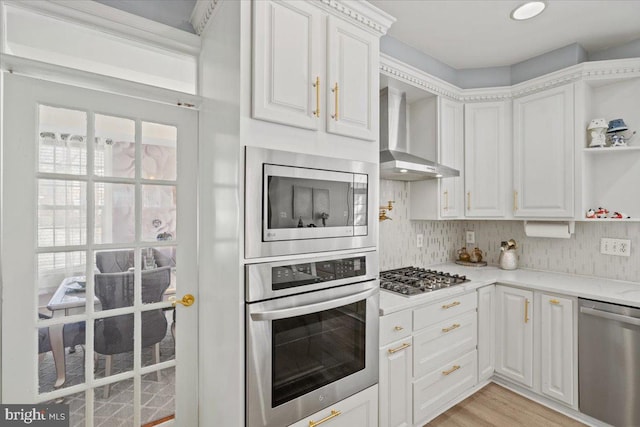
[289, 276]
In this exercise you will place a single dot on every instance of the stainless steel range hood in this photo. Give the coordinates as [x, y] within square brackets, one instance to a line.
[395, 162]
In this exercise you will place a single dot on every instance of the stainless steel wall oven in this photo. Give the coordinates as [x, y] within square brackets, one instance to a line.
[312, 335]
[297, 203]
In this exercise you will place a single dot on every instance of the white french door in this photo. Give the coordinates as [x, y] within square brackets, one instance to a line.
[98, 238]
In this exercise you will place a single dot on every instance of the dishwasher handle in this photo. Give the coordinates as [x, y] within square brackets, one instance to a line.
[610, 316]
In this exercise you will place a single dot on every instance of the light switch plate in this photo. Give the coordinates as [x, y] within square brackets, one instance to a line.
[471, 237]
[617, 247]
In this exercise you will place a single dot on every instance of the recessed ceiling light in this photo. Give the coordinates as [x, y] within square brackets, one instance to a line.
[403, 171]
[528, 10]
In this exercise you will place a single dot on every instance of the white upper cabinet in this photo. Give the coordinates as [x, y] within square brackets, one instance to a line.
[286, 62]
[314, 70]
[543, 125]
[437, 131]
[486, 159]
[352, 81]
[451, 153]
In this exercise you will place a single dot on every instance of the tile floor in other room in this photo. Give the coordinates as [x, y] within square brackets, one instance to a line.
[157, 397]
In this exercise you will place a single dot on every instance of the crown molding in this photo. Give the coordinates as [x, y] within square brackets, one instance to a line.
[607, 70]
[362, 13]
[114, 21]
[202, 13]
[399, 70]
[590, 72]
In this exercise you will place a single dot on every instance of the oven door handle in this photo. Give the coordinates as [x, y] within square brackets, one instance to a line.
[312, 308]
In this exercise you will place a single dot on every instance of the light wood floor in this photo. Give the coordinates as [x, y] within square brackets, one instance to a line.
[496, 406]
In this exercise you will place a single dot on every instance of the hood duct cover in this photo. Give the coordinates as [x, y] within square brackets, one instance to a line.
[395, 162]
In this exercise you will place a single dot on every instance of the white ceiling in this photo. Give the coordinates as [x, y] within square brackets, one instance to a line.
[479, 33]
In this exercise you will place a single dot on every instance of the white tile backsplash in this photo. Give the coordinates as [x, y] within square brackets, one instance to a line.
[578, 255]
[398, 246]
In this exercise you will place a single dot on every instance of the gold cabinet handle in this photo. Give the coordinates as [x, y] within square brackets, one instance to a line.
[455, 368]
[186, 300]
[398, 328]
[446, 200]
[451, 328]
[515, 200]
[335, 92]
[554, 301]
[334, 413]
[317, 86]
[402, 347]
[453, 304]
[526, 310]
[468, 200]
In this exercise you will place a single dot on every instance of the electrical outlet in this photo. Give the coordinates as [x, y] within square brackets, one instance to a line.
[617, 247]
[471, 237]
[419, 240]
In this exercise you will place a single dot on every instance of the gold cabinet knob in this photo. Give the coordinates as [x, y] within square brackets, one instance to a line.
[186, 300]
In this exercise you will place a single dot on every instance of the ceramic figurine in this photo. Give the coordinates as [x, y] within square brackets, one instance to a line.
[601, 213]
[620, 215]
[597, 128]
[591, 213]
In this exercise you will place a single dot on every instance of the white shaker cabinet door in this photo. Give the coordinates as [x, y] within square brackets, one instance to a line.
[486, 159]
[451, 146]
[396, 363]
[557, 347]
[287, 47]
[544, 154]
[352, 81]
[514, 356]
[486, 332]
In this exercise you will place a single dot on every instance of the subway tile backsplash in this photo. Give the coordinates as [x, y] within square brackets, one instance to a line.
[578, 255]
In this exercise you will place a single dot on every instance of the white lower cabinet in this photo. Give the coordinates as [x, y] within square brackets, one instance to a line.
[557, 343]
[396, 364]
[360, 410]
[514, 355]
[431, 363]
[550, 366]
[486, 332]
[443, 384]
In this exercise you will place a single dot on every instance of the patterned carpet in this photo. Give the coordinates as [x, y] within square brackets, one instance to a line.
[157, 397]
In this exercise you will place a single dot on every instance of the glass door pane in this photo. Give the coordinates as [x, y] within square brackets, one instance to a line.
[94, 243]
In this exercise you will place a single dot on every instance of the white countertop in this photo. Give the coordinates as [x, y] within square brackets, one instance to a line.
[614, 291]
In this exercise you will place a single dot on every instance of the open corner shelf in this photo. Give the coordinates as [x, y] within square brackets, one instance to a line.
[609, 220]
[602, 150]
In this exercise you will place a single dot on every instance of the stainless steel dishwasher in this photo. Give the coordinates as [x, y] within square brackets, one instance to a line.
[609, 362]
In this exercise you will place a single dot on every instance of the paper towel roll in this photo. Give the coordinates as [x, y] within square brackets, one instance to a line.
[557, 230]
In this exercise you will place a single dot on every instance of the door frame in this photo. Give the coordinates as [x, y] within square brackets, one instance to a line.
[14, 238]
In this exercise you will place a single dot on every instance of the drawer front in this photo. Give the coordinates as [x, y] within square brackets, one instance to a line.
[394, 327]
[445, 341]
[438, 312]
[442, 385]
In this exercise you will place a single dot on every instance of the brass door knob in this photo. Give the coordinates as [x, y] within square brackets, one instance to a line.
[186, 300]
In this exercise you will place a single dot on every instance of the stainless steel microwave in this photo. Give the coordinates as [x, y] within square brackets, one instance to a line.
[300, 203]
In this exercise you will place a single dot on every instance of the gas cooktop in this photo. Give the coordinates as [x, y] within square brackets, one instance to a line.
[409, 281]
